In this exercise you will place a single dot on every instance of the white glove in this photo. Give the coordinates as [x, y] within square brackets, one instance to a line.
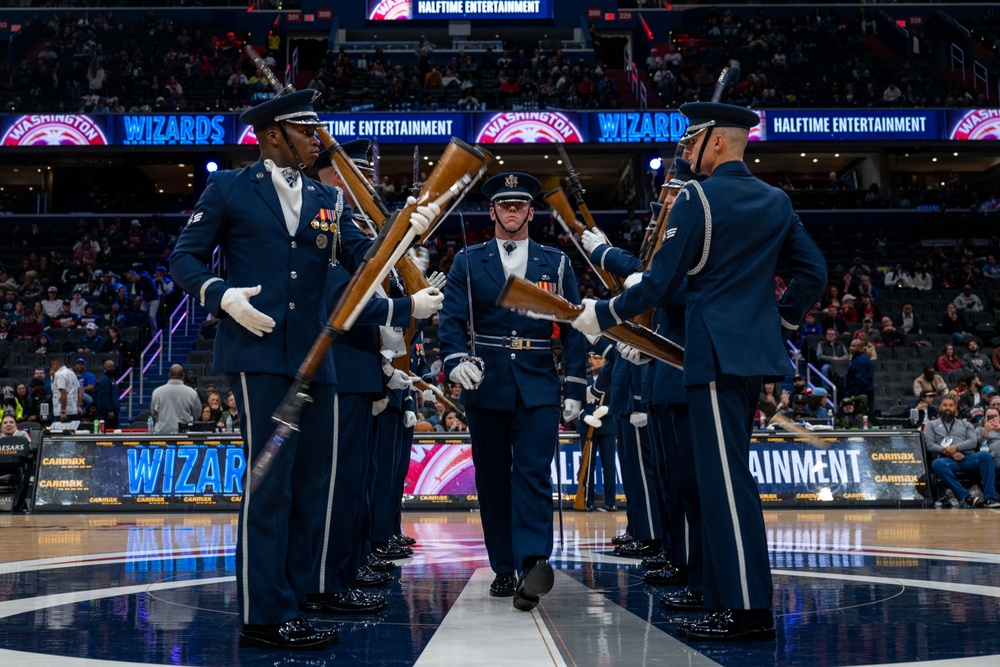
[379, 405]
[535, 315]
[593, 396]
[592, 238]
[421, 219]
[466, 374]
[426, 302]
[428, 396]
[638, 419]
[633, 279]
[437, 279]
[409, 419]
[586, 322]
[397, 378]
[236, 302]
[592, 338]
[421, 258]
[632, 355]
[571, 409]
[595, 419]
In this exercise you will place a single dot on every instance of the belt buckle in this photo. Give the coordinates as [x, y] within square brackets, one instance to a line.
[516, 343]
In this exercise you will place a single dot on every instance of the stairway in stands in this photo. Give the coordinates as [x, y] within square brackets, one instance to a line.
[630, 99]
[183, 344]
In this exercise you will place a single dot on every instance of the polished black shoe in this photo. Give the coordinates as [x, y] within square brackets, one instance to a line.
[686, 600]
[588, 508]
[404, 540]
[657, 561]
[503, 585]
[536, 581]
[391, 551]
[624, 538]
[380, 564]
[369, 577]
[297, 634]
[637, 549]
[351, 602]
[610, 508]
[733, 625]
[668, 576]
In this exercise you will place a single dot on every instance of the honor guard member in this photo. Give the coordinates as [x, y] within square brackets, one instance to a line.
[728, 236]
[512, 399]
[272, 308]
[604, 440]
[341, 564]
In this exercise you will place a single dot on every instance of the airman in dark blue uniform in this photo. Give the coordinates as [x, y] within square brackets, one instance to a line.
[728, 236]
[281, 234]
[514, 414]
[605, 437]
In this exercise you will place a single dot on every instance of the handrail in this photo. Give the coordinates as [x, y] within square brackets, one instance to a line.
[144, 366]
[172, 327]
[810, 369]
[958, 55]
[980, 73]
[128, 392]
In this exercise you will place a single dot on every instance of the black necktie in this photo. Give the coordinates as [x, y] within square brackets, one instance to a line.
[509, 247]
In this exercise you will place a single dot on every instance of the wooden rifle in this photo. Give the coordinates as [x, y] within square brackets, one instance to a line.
[562, 211]
[583, 477]
[459, 168]
[423, 385]
[519, 293]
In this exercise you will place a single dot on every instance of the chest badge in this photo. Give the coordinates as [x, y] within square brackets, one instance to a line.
[322, 241]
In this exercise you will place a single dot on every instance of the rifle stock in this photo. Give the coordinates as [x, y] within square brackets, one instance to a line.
[420, 384]
[583, 477]
[520, 293]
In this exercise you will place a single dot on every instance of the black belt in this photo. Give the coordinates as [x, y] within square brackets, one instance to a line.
[514, 342]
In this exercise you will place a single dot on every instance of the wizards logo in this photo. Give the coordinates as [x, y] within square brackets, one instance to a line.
[538, 127]
[66, 130]
[978, 124]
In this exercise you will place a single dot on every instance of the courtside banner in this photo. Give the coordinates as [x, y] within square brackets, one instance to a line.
[415, 10]
[872, 468]
[442, 476]
[137, 472]
[852, 125]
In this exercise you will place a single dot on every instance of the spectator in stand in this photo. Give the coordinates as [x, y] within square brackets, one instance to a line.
[29, 328]
[43, 344]
[136, 315]
[831, 297]
[87, 382]
[809, 328]
[174, 403]
[106, 403]
[6, 328]
[859, 268]
[975, 362]
[865, 288]
[114, 317]
[849, 313]
[769, 399]
[88, 317]
[867, 309]
[948, 363]
[849, 417]
[972, 401]
[954, 323]
[66, 391]
[896, 278]
[891, 336]
[991, 270]
[144, 295]
[52, 303]
[90, 341]
[968, 302]
[860, 379]
[65, 319]
[929, 381]
[924, 410]
[954, 441]
[829, 350]
[868, 330]
[988, 435]
[833, 320]
[908, 321]
[920, 278]
[77, 304]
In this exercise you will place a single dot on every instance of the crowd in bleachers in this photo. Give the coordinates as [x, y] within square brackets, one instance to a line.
[93, 294]
[823, 57]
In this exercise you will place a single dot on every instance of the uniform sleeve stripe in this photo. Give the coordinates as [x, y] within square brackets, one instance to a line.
[388, 318]
[611, 309]
[457, 355]
[570, 378]
[600, 260]
[788, 325]
[204, 286]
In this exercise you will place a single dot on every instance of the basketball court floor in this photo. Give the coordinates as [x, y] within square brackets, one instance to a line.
[852, 587]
